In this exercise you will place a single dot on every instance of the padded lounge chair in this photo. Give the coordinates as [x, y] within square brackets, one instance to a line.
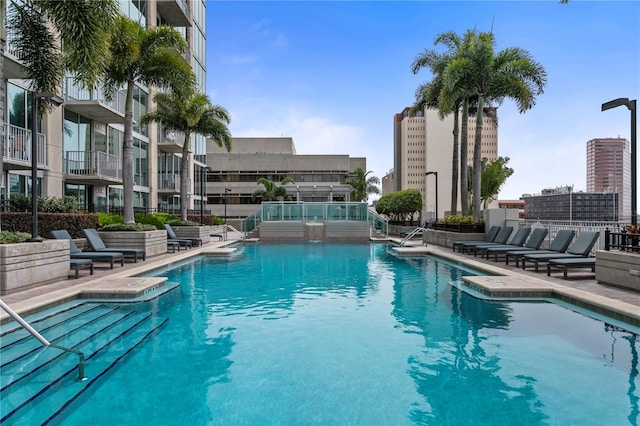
[580, 248]
[171, 236]
[76, 253]
[491, 235]
[558, 245]
[567, 263]
[517, 241]
[77, 264]
[96, 244]
[535, 241]
[501, 239]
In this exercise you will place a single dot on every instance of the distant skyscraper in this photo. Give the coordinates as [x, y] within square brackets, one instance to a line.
[609, 170]
[423, 142]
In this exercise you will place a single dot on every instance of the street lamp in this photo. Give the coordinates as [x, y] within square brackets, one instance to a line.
[631, 105]
[226, 191]
[56, 101]
[436, 175]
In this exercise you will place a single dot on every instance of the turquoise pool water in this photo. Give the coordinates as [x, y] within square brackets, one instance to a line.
[327, 334]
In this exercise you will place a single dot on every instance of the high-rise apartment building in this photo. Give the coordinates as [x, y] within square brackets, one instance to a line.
[609, 171]
[423, 142]
[80, 143]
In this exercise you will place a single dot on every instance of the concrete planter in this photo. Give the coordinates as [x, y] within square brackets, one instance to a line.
[202, 232]
[618, 268]
[27, 265]
[154, 243]
[447, 238]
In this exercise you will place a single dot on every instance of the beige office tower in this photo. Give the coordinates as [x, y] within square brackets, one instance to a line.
[609, 170]
[80, 142]
[424, 143]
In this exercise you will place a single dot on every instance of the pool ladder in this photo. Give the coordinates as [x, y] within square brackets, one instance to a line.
[45, 342]
[412, 234]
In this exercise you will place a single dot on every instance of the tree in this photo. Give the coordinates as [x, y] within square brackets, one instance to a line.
[363, 185]
[272, 191]
[494, 175]
[53, 37]
[401, 206]
[510, 73]
[152, 57]
[190, 114]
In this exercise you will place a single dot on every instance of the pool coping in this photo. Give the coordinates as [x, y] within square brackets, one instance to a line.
[499, 283]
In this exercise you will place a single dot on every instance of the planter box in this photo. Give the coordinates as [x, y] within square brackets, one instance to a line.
[154, 243]
[202, 232]
[618, 268]
[447, 238]
[27, 265]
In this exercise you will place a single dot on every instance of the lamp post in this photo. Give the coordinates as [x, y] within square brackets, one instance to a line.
[226, 191]
[436, 175]
[57, 101]
[631, 105]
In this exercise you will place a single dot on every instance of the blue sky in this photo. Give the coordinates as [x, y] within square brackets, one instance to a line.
[333, 74]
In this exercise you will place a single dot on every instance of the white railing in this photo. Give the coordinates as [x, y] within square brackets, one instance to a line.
[553, 226]
[74, 92]
[17, 145]
[171, 182]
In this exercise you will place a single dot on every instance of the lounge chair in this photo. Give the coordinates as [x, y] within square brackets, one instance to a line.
[491, 235]
[76, 253]
[501, 239]
[535, 241]
[171, 236]
[567, 263]
[77, 264]
[96, 244]
[559, 244]
[579, 249]
[516, 242]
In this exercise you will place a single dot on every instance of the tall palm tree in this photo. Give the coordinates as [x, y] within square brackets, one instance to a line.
[152, 57]
[272, 191]
[363, 185]
[509, 73]
[53, 37]
[190, 114]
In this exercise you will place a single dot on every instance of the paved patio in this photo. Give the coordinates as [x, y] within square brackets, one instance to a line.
[501, 281]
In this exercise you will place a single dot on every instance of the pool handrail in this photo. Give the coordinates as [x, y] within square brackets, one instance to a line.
[13, 314]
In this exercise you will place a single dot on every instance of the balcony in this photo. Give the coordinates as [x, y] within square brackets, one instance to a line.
[174, 12]
[12, 67]
[170, 142]
[92, 104]
[17, 148]
[168, 184]
[92, 167]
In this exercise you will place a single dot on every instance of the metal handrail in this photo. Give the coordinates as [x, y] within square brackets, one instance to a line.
[45, 342]
[412, 234]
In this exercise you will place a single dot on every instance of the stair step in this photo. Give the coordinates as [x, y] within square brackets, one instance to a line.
[50, 371]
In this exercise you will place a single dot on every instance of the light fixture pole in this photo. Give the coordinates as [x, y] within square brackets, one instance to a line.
[57, 101]
[226, 191]
[436, 175]
[631, 105]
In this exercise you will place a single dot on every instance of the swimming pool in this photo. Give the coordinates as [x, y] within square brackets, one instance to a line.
[337, 334]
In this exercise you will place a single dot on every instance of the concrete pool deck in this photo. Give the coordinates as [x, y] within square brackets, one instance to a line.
[501, 282]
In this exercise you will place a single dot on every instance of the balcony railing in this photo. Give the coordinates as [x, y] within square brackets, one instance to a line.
[75, 92]
[17, 145]
[93, 164]
[169, 182]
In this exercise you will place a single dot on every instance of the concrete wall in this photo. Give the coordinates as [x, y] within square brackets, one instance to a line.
[315, 231]
[618, 268]
[153, 242]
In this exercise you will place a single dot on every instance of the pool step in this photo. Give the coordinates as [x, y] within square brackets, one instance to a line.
[36, 387]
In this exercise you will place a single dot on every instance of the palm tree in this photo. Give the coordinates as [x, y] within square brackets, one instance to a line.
[363, 185]
[190, 114]
[53, 37]
[152, 57]
[272, 191]
[509, 73]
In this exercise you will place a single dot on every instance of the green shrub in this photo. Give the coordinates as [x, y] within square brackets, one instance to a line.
[400, 206]
[128, 227]
[20, 203]
[7, 237]
[458, 218]
[105, 218]
[218, 221]
[47, 222]
[156, 219]
[66, 204]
